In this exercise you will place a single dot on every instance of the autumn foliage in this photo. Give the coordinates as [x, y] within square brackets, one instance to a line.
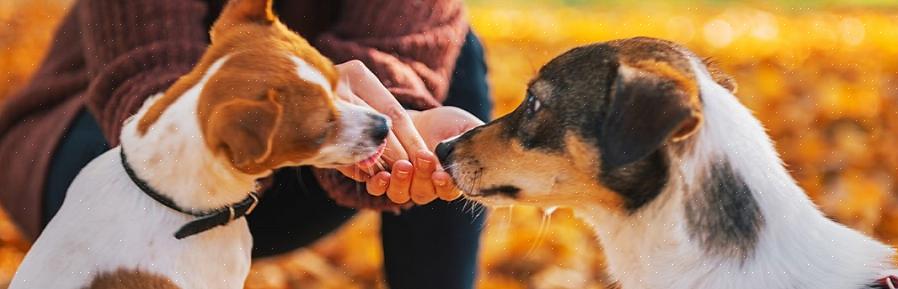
[824, 81]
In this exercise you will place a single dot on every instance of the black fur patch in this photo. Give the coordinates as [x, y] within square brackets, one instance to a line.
[639, 182]
[724, 215]
[508, 191]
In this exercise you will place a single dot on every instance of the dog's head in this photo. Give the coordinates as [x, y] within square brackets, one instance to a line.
[595, 127]
[268, 98]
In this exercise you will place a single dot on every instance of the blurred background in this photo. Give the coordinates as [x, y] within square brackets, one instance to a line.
[822, 75]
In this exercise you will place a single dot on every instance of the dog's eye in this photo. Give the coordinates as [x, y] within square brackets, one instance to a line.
[533, 105]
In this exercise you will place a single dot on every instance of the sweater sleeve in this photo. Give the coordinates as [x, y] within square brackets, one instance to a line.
[134, 49]
[411, 45]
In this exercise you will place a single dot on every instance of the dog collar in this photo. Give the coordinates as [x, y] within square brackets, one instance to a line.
[206, 220]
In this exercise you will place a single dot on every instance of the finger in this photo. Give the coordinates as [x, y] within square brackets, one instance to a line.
[354, 173]
[345, 93]
[366, 86]
[443, 122]
[404, 130]
[394, 150]
[378, 184]
[445, 188]
[422, 191]
[400, 182]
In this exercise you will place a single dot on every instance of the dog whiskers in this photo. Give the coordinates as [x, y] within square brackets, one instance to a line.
[381, 164]
[480, 210]
[358, 185]
[509, 217]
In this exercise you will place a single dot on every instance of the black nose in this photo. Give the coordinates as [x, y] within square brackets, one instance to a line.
[380, 129]
[444, 151]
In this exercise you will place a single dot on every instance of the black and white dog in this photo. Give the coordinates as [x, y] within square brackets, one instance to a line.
[648, 144]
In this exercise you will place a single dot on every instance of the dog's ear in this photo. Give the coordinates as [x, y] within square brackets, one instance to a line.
[258, 11]
[243, 130]
[651, 104]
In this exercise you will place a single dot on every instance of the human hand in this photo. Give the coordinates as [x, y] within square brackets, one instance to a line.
[424, 178]
[428, 181]
[360, 86]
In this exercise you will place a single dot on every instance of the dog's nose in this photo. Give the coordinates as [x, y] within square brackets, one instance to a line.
[380, 129]
[444, 150]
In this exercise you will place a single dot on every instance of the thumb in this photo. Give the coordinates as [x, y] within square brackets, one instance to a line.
[442, 123]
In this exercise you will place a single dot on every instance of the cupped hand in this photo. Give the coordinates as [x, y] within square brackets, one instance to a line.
[358, 85]
[426, 181]
[416, 173]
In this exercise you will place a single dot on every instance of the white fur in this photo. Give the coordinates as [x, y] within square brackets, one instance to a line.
[351, 145]
[106, 223]
[798, 248]
[308, 73]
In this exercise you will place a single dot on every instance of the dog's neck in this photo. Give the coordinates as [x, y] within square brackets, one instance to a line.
[173, 158]
[732, 217]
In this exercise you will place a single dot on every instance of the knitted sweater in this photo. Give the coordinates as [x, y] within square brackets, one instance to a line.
[108, 56]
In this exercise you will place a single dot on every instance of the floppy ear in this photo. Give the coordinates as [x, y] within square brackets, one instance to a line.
[258, 11]
[649, 106]
[243, 130]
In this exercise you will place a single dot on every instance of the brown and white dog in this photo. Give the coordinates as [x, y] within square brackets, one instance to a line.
[647, 143]
[259, 99]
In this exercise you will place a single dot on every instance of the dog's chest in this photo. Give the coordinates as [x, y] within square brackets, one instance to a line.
[105, 224]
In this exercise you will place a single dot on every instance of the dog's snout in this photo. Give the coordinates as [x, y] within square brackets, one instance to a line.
[444, 150]
[380, 128]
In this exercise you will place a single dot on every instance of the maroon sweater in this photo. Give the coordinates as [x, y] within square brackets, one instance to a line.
[108, 56]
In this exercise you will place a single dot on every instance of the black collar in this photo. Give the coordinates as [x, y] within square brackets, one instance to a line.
[205, 220]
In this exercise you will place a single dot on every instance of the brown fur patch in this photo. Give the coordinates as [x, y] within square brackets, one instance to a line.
[266, 115]
[249, 10]
[229, 36]
[685, 83]
[641, 48]
[255, 109]
[130, 279]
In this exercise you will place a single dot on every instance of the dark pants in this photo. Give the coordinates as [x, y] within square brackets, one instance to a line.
[433, 246]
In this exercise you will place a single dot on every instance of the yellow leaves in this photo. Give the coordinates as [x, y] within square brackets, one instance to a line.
[839, 98]
[26, 28]
[350, 258]
[12, 249]
[500, 283]
[857, 200]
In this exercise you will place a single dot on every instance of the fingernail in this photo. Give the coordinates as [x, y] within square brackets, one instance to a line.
[440, 182]
[402, 174]
[424, 164]
[382, 182]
